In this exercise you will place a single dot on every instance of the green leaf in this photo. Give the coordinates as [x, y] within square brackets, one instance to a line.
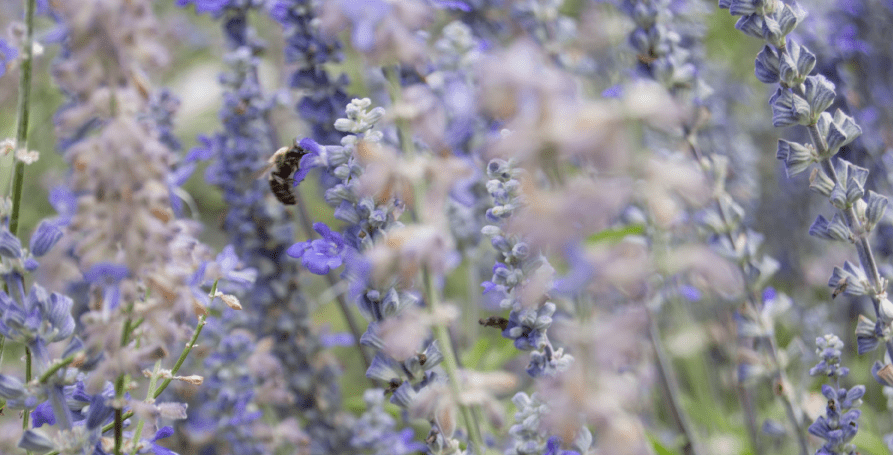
[614, 235]
[490, 353]
[659, 448]
[474, 355]
[869, 442]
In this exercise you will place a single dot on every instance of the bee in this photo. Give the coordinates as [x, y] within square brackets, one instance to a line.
[494, 321]
[432, 436]
[285, 162]
[840, 288]
[393, 385]
[422, 358]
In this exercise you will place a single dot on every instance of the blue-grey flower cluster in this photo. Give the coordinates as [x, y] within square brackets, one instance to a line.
[527, 326]
[323, 96]
[661, 50]
[367, 221]
[375, 432]
[261, 231]
[802, 99]
[840, 423]
[603, 148]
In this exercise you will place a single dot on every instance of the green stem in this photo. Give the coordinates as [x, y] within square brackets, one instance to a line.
[189, 346]
[441, 334]
[22, 111]
[152, 395]
[119, 421]
[127, 328]
[472, 296]
[750, 418]
[450, 363]
[56, 367]
[26, 415]
[153, 381]
[22, 116]
[752, 299]
[183, 355]
[670, 385]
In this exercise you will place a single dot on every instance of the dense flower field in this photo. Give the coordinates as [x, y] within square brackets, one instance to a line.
[388, 227]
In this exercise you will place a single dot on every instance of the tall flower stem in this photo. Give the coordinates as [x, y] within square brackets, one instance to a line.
[154, 394]
[804, 99]
[657, 52]
[450, 364]
[672, 390]
[23, 110]
[26, 415]
[119, 420]
[750, 418]
[432, 297]
[183, 355]
[153, 381]
[751, 302]
[863, 247]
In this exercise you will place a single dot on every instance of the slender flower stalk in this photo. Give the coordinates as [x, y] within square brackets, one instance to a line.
[261, 230]
[18, 181]
[840, 423]
[802, 99]
[406, 365]
[664, 56]
[22, 114]
[509, 143]
[450, 364]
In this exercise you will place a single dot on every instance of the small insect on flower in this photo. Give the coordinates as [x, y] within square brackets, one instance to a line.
[432, 436]
[393, 385]
[840, 288]
[494, 321]
[285, 162]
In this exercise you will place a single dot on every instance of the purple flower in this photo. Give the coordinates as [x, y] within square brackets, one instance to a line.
[215, 7]
[7, 53]
[10, 246]
[365, 17]
[314, 150]
[65, 203]
[320, 255]
[46, 235]
[553, 447]
[452, 4]
[43, 414]
[278, 10]
[108, 276]
[42, 318]
[615, 91]
[163, 432]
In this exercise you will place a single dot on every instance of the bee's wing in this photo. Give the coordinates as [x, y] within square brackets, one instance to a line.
[271, 163]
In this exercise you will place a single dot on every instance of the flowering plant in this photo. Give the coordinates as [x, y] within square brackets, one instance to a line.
[530, 227]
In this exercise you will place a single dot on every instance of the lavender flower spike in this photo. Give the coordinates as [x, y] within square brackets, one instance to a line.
[802, 99]
[840, 423]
